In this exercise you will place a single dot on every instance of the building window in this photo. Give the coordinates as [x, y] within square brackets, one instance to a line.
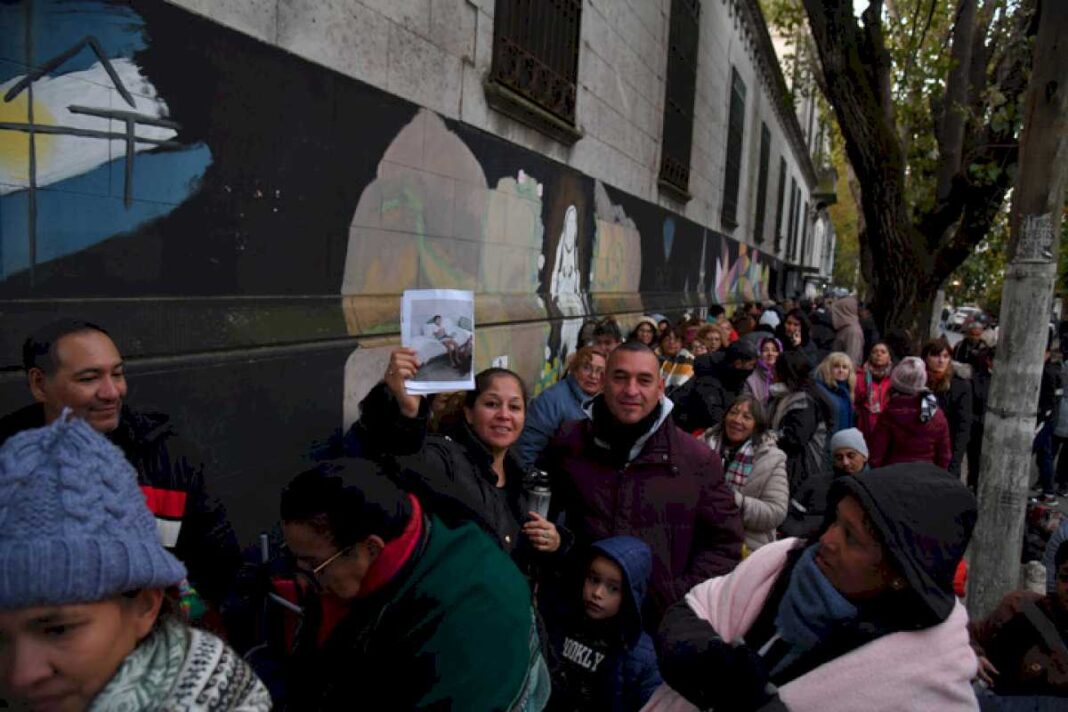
[679, 98]
[791, 229]
[735, 134]
[781, 202]
[804, 234]
[762, 185]
[534, 74]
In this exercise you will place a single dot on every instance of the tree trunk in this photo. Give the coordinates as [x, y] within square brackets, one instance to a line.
[1038, 201]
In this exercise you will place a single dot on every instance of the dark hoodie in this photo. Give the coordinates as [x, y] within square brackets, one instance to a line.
[609, 664]
[703, 400]
[902, 434]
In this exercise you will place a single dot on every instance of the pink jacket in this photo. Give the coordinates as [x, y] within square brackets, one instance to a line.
[925, 670]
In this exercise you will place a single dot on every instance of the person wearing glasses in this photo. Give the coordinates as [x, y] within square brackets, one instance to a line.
[559, 403]
[403, 597]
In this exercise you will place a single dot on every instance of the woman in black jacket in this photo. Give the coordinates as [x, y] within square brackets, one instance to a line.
[954, 396]
[793, 334]
[468, 473]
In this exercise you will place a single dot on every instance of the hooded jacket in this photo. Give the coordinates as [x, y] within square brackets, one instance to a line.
[668, 490]
[192, 524]
[903, 650]
[703, 400]
[556, 405]
[849, 336]
[605, 665]
[901, 436]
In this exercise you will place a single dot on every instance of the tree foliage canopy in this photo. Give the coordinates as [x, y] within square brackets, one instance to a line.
[927, 95]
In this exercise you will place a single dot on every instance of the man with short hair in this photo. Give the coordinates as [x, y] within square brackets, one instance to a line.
[72, 364]
[629, 470]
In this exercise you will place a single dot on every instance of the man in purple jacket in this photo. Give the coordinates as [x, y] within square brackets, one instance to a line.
[629, 470]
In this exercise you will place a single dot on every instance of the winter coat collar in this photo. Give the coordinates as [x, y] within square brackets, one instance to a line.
[666, 407]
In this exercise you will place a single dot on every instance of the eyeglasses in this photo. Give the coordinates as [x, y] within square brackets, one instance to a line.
[322, 567]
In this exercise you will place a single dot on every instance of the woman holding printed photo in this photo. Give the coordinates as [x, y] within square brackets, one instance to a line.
[467, 473]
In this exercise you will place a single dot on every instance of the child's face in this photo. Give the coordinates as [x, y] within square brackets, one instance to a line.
[602, 593]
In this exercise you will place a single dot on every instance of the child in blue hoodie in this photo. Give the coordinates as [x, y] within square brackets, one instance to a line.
[603, 658]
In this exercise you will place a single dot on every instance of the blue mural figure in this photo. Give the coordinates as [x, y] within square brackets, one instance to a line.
[70, 129]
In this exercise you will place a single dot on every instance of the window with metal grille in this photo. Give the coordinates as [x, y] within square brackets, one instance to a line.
[679, 98]
[781, 201]
[534, 72]
[735, 134]
[762, 184]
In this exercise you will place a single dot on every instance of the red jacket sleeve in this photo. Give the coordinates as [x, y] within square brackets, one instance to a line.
[878, 444]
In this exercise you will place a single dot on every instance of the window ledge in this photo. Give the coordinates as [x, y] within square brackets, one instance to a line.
[673, 191]
[517, 107]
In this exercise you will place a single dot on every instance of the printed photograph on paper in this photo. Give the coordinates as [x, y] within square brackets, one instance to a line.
[439, 324]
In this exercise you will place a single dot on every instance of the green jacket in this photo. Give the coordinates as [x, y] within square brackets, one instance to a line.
[454, 630]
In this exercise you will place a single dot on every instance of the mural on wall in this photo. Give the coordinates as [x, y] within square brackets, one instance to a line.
[87, 147]
[175, 159]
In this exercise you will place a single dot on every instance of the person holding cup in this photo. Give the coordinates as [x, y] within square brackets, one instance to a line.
[467, 473]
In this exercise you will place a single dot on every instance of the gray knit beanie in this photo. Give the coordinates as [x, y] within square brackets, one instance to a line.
[74, 526]
[909, 376]
[851, 438]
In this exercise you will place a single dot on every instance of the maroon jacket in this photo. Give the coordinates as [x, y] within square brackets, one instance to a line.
[672, 495]
[900, 436]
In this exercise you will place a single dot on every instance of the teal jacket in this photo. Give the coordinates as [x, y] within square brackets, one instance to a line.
[454, 629]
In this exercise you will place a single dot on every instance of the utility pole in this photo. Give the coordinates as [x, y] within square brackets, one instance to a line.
[1037, 206]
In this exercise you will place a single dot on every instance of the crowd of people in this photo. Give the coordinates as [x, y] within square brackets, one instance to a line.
[744, 513]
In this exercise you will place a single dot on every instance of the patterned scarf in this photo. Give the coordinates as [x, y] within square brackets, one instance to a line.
[737, 462]
[875, 404]
[182, 668]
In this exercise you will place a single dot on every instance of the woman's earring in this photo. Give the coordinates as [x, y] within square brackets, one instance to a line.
[897, 584]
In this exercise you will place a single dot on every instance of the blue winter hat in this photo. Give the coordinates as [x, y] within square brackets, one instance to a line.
[74, 526]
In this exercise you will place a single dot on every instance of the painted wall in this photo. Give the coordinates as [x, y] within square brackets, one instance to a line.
[244, 222]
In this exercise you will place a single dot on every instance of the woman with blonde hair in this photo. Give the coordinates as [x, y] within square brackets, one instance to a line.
[836, 377]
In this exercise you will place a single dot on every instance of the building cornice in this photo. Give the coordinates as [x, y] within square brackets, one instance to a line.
[757, 38]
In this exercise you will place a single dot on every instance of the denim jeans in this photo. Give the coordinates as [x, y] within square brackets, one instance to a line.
[1043, 450]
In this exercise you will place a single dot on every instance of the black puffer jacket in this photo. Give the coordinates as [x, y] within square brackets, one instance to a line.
[703, 400]
[956, 403]
[801, 422]
[452, 474]
[170, 471]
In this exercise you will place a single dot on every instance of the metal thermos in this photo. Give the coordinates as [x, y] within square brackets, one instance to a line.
[538, 492]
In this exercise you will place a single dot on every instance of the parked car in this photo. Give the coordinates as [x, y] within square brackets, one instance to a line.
[958, 318]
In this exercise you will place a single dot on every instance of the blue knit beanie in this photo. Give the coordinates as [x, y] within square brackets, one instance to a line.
[74, 526]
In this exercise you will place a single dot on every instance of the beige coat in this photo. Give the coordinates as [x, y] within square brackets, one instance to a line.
[764, 499]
